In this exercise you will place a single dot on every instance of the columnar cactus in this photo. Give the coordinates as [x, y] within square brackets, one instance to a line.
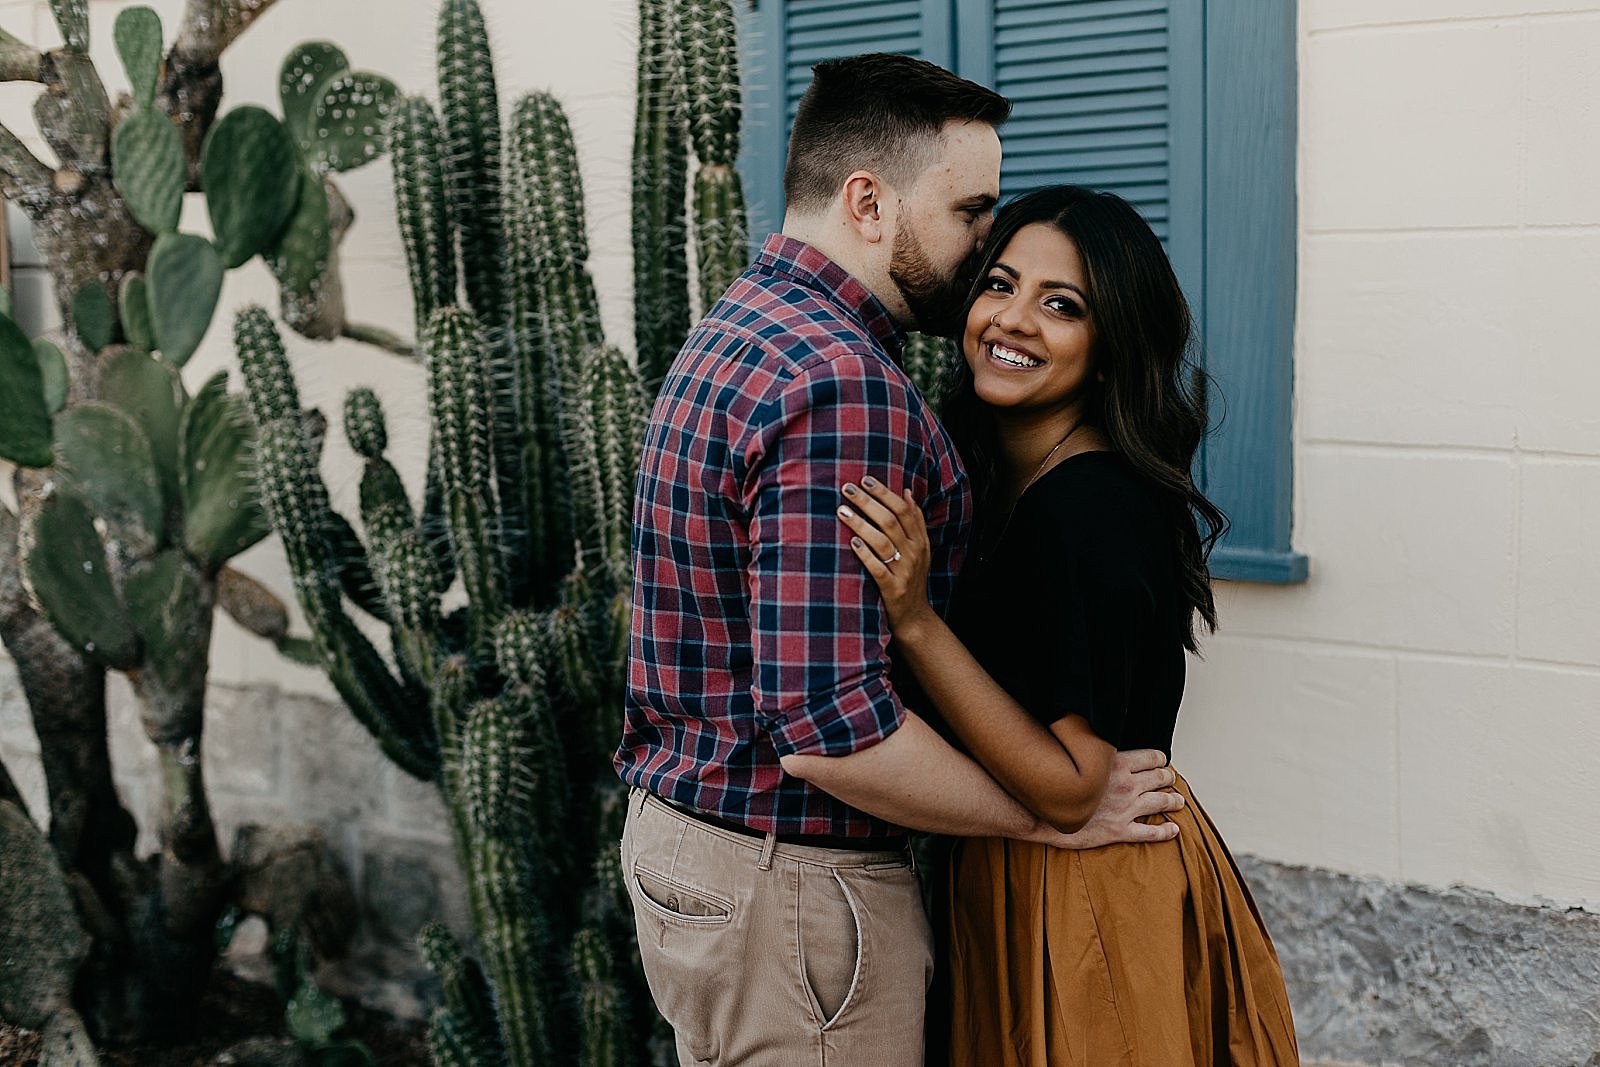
[535, 429]
[660, 176]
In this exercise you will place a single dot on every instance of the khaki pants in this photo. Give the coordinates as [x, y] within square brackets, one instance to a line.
[771, 955]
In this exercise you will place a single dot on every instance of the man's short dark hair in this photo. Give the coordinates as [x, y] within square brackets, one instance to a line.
[882, 113]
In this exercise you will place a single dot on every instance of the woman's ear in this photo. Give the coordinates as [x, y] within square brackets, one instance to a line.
[863, 205]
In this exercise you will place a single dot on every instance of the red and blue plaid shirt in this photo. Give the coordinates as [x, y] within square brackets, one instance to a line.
[756, 631]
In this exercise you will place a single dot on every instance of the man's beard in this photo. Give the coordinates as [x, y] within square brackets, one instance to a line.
[934, 299]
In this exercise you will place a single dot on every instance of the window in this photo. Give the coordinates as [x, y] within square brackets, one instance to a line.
[1184, 107]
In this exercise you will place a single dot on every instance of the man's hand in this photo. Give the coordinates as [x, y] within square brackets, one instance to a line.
[1140, 785]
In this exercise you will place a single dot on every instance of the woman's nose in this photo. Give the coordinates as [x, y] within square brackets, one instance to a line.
[1013, 318]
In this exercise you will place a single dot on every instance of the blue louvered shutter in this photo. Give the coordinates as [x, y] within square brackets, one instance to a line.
[1105, 93]
[1184, 107]
[783, 39]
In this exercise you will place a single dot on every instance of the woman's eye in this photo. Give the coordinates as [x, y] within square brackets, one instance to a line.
[1063, 306]
[995, 283]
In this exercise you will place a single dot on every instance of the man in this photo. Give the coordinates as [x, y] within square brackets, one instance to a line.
[775, 769]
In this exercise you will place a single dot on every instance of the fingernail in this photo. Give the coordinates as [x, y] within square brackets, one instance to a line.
[846, 512]
[855, 541]
[869, 481]
[850, 490]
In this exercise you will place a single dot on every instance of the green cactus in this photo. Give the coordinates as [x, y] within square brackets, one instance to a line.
[147, 157]
[133, 303]
[138, 36]
[103, 456]
[706, 38]
[66, 567]
[300, 258]
[660, 177]
[414, 138]
[469, 101]
[24, 408]
[92, 317]
[535, 426]
[52, 374]
[221, 514]
[251, 170]
[468, 1013]
[150, 393]
[184, 281]
[304, 72]
[347, 121]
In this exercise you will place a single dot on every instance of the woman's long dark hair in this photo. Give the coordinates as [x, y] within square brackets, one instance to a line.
[1152, 403]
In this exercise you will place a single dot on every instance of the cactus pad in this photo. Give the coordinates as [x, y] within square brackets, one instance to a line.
[66, 568]
[133, 304]
[104, 456]
[300, 258]
[147, 157]
[184, 278]
[53, 374]
[138, 37]
[221, 515]
[250, 166]
[306, 68]
[149, 392]
[24, 409]
[346, 123]
[92, 318]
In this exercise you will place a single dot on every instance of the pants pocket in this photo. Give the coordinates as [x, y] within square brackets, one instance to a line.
[830, 937]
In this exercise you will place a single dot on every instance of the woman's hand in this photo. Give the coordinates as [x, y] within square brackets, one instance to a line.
[891, 540]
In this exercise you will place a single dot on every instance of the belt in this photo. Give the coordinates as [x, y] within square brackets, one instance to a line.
[881, 843]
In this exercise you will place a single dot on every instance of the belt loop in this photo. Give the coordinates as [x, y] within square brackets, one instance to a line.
[767, 845]
[911, 850]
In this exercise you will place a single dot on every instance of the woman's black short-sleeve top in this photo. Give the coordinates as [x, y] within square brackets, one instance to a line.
[1076, 610]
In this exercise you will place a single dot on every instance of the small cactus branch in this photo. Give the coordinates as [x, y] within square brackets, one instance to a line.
[210, 26]
[378, 337]
[19, 61]
[457, 393]
[24, 178]
[470, 105]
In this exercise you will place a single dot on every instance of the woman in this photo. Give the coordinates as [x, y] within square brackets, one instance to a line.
[1078, 415]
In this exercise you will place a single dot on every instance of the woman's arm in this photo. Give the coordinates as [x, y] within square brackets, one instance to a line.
[1059, 773]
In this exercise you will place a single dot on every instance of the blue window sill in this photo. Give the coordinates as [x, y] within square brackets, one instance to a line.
[1254, 565]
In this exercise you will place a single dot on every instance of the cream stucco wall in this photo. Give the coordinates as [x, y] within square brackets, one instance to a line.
[1427, 707]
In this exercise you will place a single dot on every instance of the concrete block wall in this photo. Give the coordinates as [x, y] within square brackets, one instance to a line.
[1426, 709]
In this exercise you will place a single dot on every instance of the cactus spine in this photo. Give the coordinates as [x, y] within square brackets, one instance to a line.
[535, 428]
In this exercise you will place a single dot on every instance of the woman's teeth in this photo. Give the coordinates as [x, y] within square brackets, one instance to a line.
[1012, 357]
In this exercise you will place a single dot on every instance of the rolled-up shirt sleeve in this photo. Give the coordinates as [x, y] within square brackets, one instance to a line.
[818, 627]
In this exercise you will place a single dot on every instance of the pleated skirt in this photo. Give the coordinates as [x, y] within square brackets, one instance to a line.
[1127, 956]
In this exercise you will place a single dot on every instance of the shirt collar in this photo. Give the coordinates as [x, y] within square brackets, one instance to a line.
[804, 265]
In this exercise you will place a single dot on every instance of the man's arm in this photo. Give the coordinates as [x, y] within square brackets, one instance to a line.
[914, 779]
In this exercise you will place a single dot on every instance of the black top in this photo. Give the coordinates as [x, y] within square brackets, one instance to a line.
[1076, 609]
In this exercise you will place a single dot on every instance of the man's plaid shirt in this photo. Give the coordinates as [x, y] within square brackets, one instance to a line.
[756, 631]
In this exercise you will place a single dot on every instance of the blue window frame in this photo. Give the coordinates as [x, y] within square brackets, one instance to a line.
[1184, 107]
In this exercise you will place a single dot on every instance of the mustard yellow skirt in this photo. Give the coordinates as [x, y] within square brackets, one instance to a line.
[1126, 956]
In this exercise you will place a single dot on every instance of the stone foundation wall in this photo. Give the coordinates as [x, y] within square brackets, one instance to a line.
[1381, 973]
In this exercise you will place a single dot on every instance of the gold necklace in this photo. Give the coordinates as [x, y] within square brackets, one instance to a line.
[994, 542]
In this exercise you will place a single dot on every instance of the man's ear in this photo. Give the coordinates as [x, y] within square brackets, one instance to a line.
[863, 205]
